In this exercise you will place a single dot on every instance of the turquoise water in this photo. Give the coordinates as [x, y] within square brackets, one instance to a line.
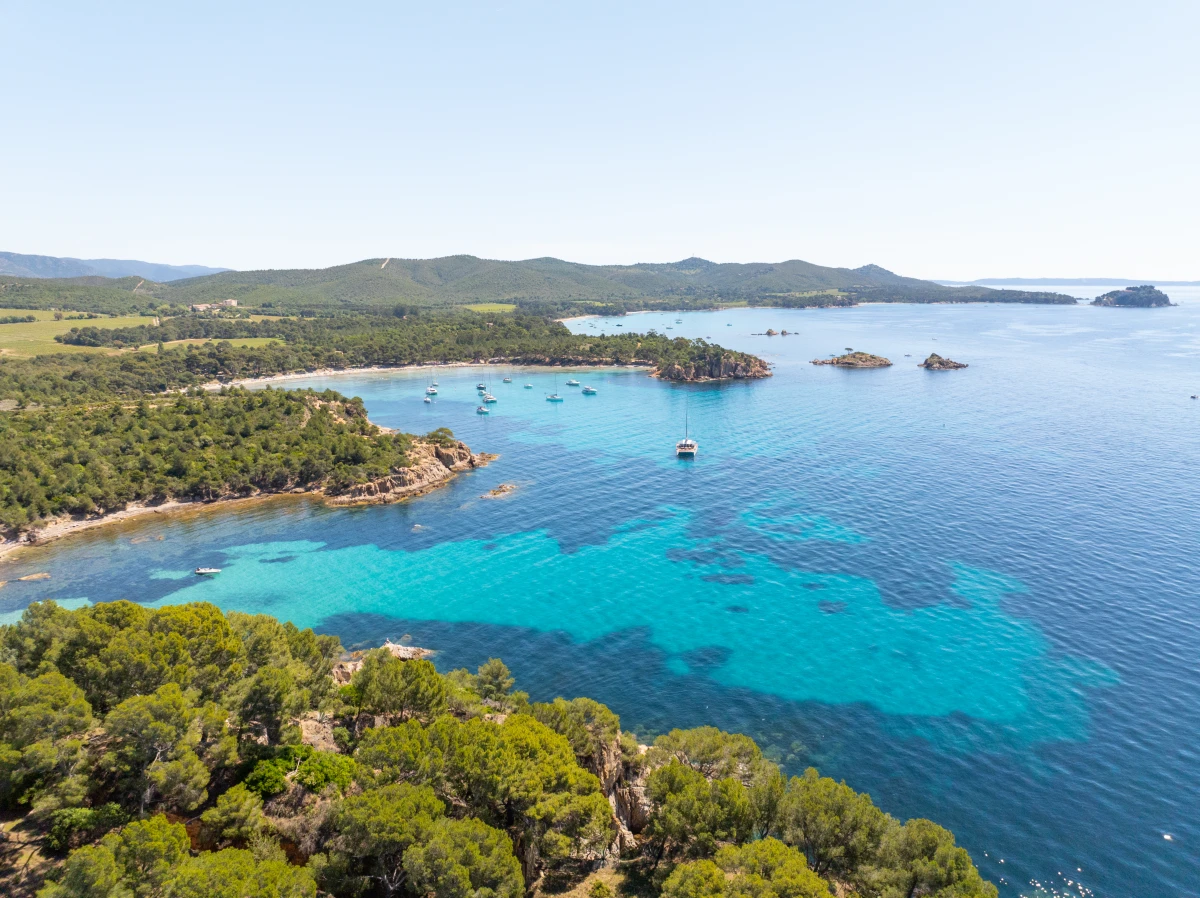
[973, 594]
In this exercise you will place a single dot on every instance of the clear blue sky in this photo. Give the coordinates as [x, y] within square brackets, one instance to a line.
[938, 139]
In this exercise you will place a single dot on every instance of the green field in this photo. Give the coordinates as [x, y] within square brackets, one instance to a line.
[37, 337]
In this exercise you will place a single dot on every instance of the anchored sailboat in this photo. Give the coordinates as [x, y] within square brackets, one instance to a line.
[687, 447]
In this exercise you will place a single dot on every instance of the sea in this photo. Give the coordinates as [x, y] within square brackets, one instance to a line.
[974, 594]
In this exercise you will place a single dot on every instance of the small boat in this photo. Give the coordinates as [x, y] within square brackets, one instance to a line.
[508, 380]
[207, 570]
[553, 397]
[480, 386]
[428, 400]
[482, 410]
[591, 391]
[572, 383]
[670, 328]
[679, 321]
[431, 391]
[727, 324]
[528, 386]
[488, 397]
[435, 383]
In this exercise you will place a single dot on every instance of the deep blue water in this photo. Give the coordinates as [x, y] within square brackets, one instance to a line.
[974, 594]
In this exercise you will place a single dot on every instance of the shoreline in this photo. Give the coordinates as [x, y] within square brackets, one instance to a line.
[384, 369]
[59, 528]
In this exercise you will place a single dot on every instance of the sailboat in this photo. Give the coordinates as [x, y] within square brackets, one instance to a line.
[554, 397]
[687, 447]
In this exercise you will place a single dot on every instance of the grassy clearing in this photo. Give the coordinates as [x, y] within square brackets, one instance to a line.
[492, 307]
[37, 337]
[200, 341]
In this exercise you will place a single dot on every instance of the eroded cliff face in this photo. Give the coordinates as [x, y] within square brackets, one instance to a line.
[728, 366]
[625, 788]
[432, 465]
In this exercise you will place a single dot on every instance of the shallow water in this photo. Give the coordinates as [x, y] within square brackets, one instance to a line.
[972, 593]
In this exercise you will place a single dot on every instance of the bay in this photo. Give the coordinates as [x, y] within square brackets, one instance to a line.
[973, 593]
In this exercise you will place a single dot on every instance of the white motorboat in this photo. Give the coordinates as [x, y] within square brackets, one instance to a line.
[207, 570]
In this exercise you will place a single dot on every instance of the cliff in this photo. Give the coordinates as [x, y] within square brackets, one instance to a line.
[936, 363]
[432, 465]
[1146, 296]
[855, 360]
[726, 366]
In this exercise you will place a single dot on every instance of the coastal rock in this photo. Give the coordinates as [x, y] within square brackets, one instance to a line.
[855, 360]
[432, 465]
[1147, 296]
[936, 363]
[502, 490]
[350, 663]
[723, 366]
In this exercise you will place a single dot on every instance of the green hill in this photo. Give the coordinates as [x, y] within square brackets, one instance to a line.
[539, 285]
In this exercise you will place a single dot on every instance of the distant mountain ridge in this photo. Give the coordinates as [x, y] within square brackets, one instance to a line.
[1069, 282]
[32, 266]
[554, 285]
[542, 286]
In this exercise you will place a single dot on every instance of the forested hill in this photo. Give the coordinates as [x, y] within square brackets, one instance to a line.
[552, 284]
[548, 286]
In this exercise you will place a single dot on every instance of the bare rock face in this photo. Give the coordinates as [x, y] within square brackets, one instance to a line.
[936, 363]
[433, 464]
[727, 366]
[625, 788]
[855, 360]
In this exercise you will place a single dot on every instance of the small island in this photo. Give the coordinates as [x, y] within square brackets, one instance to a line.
[855, 360]
[936, 363]
[1147, 296]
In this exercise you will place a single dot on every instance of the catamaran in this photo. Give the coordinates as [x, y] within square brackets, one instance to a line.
[488, 397]
[431, 391]
[686, 448]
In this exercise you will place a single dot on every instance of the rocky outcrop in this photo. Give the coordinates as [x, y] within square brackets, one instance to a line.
[726, 366]
[1147, 296]
[432, 465]
[624, 785]
[936, 363]
[855, 360]
[344, 670]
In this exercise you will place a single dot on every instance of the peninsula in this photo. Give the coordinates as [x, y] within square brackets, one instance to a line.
[855, 360]
[165, 453]
[1146, 296]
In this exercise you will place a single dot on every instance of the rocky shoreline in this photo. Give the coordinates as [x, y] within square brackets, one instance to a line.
[936, 363]
[434, 465]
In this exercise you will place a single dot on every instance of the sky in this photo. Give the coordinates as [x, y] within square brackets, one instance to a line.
[937, 139]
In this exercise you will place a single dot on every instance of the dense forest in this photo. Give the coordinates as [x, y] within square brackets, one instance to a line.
[402, 338]
[185, 753]
[539, 286]
[90, 459]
